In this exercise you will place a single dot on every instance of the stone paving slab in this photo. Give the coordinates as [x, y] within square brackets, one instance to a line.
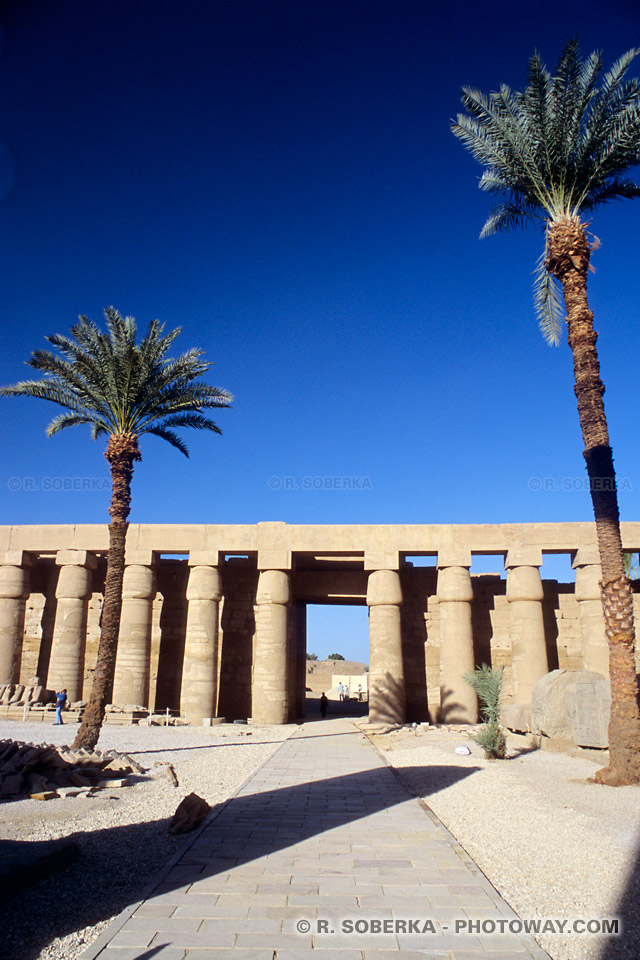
[323, 854]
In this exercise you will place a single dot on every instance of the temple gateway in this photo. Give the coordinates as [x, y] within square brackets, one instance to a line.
[214, 617]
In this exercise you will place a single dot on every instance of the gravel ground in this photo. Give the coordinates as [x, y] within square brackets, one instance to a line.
[551, 841]
[123, 833]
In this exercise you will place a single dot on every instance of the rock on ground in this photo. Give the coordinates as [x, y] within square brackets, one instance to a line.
[122, 832]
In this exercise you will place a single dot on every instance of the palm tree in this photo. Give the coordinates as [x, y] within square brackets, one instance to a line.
[122, 390]
[552, 154]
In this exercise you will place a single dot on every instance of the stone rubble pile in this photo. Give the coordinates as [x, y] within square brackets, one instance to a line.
[44, 772]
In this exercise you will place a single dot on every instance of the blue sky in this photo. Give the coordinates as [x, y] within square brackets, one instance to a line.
[278, 177]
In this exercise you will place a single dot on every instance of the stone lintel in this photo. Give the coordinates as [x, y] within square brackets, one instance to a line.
[16, 558]
[381, 559]
[140, 558]
[76, 558]
[523, 555]
[587, 556]
[454, 557]
[204, 558]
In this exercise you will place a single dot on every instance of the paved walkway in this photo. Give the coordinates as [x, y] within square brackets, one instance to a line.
[320, 847]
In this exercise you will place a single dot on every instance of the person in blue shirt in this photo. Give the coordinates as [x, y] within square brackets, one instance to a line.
[61, 699]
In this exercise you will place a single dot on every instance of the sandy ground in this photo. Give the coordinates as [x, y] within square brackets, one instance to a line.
[551, 841]
[554, 843]
[123, 833]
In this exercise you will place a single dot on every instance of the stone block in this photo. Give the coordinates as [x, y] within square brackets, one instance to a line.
[572, 705]
[588, 702]
[517, 717]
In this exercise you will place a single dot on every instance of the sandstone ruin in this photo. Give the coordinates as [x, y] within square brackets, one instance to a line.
[214, 617]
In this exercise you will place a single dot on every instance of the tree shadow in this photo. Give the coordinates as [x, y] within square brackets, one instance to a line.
[627, 944]
[109, 875]
[451, 711]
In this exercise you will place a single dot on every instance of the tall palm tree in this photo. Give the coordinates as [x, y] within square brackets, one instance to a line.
[123, 390]
[552, 154]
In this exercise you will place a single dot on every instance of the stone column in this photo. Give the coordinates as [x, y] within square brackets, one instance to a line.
[14, 591]
[131, 683]
[271, 667]
[595, 649]
[526, 621]
[458, 702]
[199, 690]
[299, 653]
[66, 666]
[387, 698]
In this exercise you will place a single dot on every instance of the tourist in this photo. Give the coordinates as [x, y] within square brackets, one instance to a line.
[323, 704]
[61, 699]
[346, 691]
[340, 691]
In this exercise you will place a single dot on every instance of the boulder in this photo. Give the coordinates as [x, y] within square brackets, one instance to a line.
[190, 814]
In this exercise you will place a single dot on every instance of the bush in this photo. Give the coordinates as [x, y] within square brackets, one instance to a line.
[487, 683]
[335, 656]
[312, 656]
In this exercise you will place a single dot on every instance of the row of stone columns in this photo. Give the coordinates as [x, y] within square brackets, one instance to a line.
[276, 684]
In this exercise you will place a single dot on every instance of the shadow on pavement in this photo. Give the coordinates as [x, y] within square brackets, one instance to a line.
[109, 876]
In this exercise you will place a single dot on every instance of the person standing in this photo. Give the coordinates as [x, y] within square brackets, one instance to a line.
[323, 704]
[340, 691]
[61, 699]
[346, 692]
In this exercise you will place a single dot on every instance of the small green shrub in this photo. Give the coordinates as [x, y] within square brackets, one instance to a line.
[487, 682]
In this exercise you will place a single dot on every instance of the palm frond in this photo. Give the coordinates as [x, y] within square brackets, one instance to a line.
[170, 437]
[64, 420]
[547, 298]
[194, 420]
[116, 386]
[42, 390]
[559, 148]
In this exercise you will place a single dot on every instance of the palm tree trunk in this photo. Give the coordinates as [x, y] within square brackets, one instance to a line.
[568, 255]
[121, 453]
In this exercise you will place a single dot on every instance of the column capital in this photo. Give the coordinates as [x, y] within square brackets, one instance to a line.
[204, 583]
[274, 586]
[14, 581]
[383, 588]
[524, 583]
[139, 582]
[454, 584]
